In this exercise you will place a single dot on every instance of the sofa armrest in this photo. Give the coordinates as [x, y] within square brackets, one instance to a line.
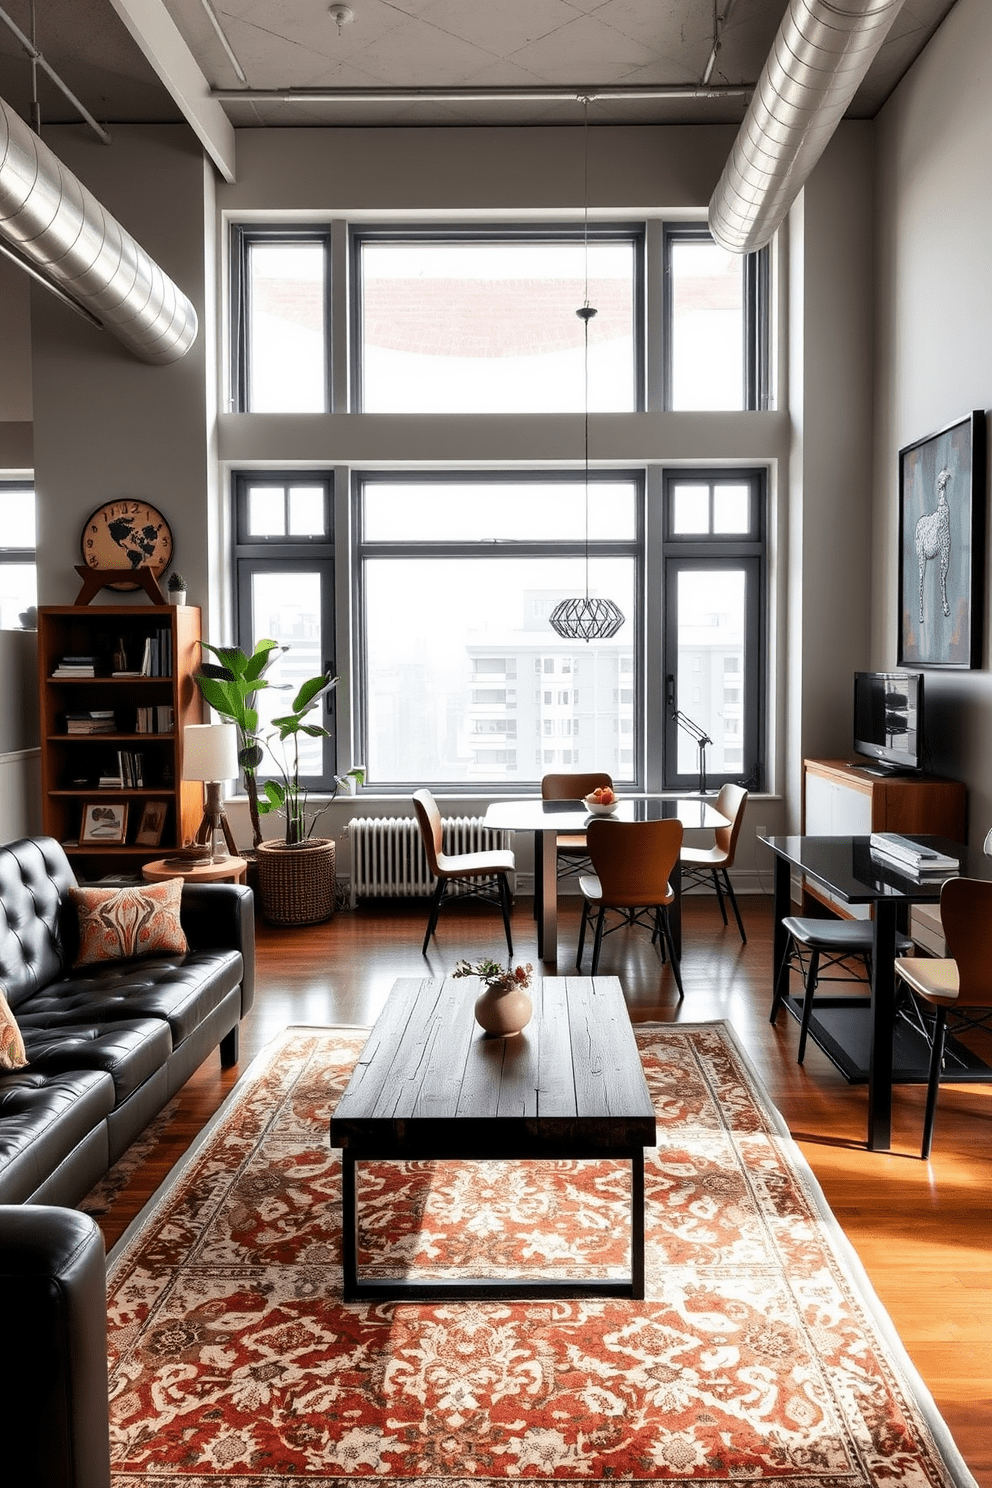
[221, 917]
[53, 1369]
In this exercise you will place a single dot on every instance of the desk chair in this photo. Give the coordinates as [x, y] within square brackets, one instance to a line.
[469, 869]
[632, 862]
[958, 985]
[702, 863]
[814, 946]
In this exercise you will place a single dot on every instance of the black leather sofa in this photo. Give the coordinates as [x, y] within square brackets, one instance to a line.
[53, 1373]
[107, 1045]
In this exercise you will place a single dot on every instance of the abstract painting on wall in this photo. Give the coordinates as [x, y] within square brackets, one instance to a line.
[941, 546]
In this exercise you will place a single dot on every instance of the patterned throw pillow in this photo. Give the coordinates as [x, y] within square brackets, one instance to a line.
[138, 921]
[12, 1055]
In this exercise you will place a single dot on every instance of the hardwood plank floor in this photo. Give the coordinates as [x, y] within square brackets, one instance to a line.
[920, 1229]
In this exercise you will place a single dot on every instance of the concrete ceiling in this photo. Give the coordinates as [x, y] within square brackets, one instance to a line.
[139, 60]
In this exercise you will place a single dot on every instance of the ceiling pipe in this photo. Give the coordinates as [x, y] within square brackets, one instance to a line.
[551, 94]
[77, 248]
[821, 53]
[37, 60]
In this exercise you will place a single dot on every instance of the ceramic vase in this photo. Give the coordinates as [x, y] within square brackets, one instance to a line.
[503, 1009]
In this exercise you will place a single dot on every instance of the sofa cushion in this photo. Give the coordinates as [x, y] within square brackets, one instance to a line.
[138, 920]
[130, 1051]
[42, 1119]
[34, 879]
[12, 1054]
[181, 991]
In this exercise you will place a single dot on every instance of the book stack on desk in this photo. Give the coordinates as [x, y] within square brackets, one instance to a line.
[911, 857]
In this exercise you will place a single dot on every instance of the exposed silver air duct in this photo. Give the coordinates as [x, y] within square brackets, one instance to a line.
[821, 53]
[61, 231]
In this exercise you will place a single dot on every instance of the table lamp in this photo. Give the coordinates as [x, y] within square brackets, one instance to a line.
[210, 754]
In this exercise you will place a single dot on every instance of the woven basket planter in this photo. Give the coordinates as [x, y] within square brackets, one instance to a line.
[296, 883]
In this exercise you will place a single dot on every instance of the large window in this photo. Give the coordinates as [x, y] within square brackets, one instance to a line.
[280, 320]
[284, 567]
[18, 574]
[469, 322]
[463, 679]
[717, 340]
[714, 588]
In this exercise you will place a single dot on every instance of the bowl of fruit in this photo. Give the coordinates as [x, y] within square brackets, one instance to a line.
[602, 801]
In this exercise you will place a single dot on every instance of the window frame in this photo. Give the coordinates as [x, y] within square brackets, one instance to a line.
[695, 551]
[22, 556]
[251, 555]
[757, 319]
[244, 236]
[363, 549]
[360, 233]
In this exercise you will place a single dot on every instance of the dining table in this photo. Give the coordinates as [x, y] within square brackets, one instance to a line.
[546, 819]
[867, 1038]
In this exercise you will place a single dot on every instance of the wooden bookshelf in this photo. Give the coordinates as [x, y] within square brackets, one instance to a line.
[72, 763]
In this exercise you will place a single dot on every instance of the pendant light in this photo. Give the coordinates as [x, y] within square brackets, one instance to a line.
[582, 618]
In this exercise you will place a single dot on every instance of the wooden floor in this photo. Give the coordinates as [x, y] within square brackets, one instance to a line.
[922, 1230]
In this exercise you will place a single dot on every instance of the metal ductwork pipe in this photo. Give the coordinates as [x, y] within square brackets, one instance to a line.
[64, 236]
[821, 53]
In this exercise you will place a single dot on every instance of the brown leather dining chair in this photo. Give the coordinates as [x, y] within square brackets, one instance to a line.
[573, 854]
[702, 863]
[469, 869]
[957, 986]
[632, 863]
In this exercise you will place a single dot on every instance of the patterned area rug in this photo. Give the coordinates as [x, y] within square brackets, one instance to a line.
[760, 1353]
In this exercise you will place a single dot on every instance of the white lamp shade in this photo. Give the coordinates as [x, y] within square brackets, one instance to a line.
[210, 751]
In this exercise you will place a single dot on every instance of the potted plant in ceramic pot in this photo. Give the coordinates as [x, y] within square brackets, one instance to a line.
[177, 588]
[296, 874]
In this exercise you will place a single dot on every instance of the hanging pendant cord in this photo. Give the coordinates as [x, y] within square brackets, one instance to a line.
[585, 315]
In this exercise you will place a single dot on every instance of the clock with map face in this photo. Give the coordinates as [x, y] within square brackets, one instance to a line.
[127, 534]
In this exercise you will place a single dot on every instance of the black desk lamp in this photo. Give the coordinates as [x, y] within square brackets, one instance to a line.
[701, 737]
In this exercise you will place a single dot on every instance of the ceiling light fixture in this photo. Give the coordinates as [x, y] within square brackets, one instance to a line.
[582, 618]
[341, 15]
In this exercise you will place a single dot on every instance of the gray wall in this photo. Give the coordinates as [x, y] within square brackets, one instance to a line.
[934, 333]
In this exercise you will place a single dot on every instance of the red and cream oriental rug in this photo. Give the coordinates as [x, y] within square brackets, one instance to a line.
[759, 1354]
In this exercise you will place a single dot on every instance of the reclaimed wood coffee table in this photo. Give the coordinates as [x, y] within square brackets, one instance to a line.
[431, 1086]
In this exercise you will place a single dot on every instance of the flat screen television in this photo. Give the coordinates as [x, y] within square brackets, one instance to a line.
[888, 719]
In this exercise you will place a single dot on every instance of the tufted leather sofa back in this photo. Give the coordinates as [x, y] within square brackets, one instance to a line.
[35, 877]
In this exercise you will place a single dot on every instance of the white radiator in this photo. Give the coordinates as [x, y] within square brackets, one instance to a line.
[388, 859]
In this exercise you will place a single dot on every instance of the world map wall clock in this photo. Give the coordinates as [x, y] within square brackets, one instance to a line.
[126, 534]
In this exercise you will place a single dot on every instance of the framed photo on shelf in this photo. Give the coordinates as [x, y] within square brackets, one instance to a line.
[103, 821]
[152, 823]
[941, 546]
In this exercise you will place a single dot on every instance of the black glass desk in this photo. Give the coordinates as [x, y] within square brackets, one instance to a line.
[860, 1034]
[547, 818]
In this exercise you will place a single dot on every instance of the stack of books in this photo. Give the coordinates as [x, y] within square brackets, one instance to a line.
[157, 718]
[96, 721]
[156, 659]
[891, 849]
[76, 666]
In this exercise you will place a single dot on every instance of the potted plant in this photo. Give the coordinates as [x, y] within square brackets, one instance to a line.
[296, 874]
[230, 687]
[177, 588]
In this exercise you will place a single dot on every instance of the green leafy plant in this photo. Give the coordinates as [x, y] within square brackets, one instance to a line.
[494, 974]
[176, 581]
[289, 795]
[230, 687]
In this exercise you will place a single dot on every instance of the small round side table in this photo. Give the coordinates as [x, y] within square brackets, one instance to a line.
[230, 870]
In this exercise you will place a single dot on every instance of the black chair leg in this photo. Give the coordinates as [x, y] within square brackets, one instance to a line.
[782, 981]
[814, 962]
[598, 942]
[933, 1082]
[733, 904]
[719, 895]
[435, 910]
[504, 899]
[582, 934]
[666, 927]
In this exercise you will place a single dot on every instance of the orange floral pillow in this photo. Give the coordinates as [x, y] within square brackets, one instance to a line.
[142, 920]
[12, 1055]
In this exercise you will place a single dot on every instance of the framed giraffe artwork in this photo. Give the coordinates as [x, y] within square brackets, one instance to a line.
[942, 546]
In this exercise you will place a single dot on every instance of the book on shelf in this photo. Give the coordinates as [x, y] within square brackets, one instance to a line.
[156, 658]
[75, 666]
[902, 852]
[97, 721]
